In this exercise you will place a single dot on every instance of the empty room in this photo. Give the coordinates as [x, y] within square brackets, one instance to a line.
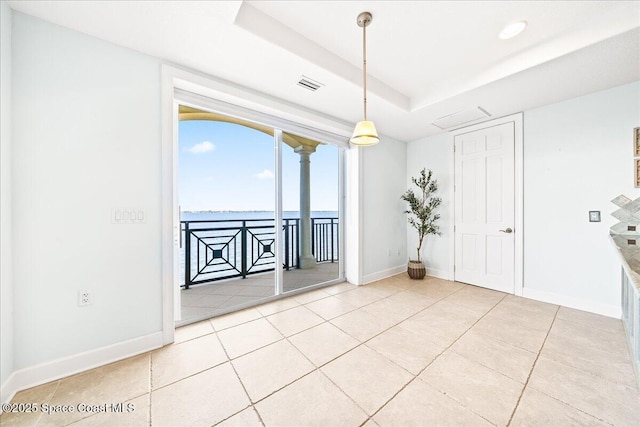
[320, 213]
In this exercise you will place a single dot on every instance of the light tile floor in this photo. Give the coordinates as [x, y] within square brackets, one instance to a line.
[393, 353]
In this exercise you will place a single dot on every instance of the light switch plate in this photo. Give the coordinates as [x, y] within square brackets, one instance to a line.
[594, 216]
[128, 216]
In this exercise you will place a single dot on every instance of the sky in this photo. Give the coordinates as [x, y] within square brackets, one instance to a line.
[228, 167]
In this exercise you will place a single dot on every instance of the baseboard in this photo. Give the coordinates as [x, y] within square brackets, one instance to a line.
[70, 365]
[572, 302]
[440, 274]
[9, 389]
[379, 275]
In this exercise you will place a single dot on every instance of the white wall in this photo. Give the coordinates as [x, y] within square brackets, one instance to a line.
[6, 285]
[383, 220]
[577, 157]
[435, 153]
[86, 139]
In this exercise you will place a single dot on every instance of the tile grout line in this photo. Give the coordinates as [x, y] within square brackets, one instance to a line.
[318, 368]
[395, 324]
[229, 359]
[212, 316]
[319, 371]
[285, 338]
[413, 315]
[48, 401]
[363, 343]
[315, 369]
[592, 374]
[577, 322]
[436, 358]
[526, 383]
[241, 383]
[341, 314]
[583, 372]
[299, 304]
[448, 348]
[491, 368]
[364, 411]
[507, 342]
[500, 341]
[573, 407]
[265, 316]
[150, 385]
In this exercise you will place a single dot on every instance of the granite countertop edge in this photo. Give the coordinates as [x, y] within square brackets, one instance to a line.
[629, 255]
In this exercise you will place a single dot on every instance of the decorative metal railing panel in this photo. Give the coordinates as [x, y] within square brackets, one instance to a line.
[222, 249]
[324, 239]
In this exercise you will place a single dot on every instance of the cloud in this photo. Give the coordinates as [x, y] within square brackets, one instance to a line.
[203, 147]
[265, 174]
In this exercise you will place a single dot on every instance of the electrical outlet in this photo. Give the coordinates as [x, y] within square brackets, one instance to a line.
[84, 298]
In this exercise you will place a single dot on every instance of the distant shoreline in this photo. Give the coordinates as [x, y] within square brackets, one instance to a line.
[248, 215]
[211, 211]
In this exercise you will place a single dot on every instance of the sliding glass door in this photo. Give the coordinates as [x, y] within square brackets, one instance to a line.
[310, 204]
[259, 214]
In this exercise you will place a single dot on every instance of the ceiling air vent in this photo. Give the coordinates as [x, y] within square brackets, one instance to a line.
[461, 118]
[310, 84]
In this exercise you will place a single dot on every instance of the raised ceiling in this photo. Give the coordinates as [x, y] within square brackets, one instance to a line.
[426, 60]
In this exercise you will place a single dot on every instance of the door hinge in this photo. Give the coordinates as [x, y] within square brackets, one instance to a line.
[454, 268]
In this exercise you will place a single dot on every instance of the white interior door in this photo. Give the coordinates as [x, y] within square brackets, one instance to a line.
[485, 207]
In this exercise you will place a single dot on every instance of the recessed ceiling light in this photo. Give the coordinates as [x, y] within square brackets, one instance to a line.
[513, 30]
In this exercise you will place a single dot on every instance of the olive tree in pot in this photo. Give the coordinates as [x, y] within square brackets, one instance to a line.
[422, 216]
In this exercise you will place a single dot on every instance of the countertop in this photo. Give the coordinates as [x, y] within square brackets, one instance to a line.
[630, 255]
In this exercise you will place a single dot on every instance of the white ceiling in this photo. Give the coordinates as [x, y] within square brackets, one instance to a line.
[425, 60]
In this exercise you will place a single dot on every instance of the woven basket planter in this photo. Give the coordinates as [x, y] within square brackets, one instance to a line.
[416, 270]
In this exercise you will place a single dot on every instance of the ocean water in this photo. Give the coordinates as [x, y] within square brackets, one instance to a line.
[237, 216]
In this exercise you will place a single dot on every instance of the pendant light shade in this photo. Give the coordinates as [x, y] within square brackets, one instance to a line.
[365, 133]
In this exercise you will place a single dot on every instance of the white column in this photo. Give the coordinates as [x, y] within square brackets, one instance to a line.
[307, 260]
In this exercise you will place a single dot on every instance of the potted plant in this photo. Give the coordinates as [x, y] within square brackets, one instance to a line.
[422, 216]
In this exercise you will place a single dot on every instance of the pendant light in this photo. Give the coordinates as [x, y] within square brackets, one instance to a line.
[365, 133]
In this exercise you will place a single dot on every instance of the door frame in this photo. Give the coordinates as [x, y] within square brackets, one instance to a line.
[518, 268]
[234, 100]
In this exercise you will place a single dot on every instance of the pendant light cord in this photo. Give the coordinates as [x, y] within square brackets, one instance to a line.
[364, 66]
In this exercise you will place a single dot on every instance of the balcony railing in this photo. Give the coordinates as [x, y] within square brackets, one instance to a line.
[223, 249]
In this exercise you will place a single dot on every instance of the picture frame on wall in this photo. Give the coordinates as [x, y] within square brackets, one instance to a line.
[636, 142]
[636, 172]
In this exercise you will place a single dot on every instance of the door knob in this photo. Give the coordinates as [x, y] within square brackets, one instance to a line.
[508, 230]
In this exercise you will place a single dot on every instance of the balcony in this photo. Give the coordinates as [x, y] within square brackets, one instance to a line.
[232, 262]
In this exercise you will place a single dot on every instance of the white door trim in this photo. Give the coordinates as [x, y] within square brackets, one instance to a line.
[517, 120]
[281, 115]
[170, 225]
